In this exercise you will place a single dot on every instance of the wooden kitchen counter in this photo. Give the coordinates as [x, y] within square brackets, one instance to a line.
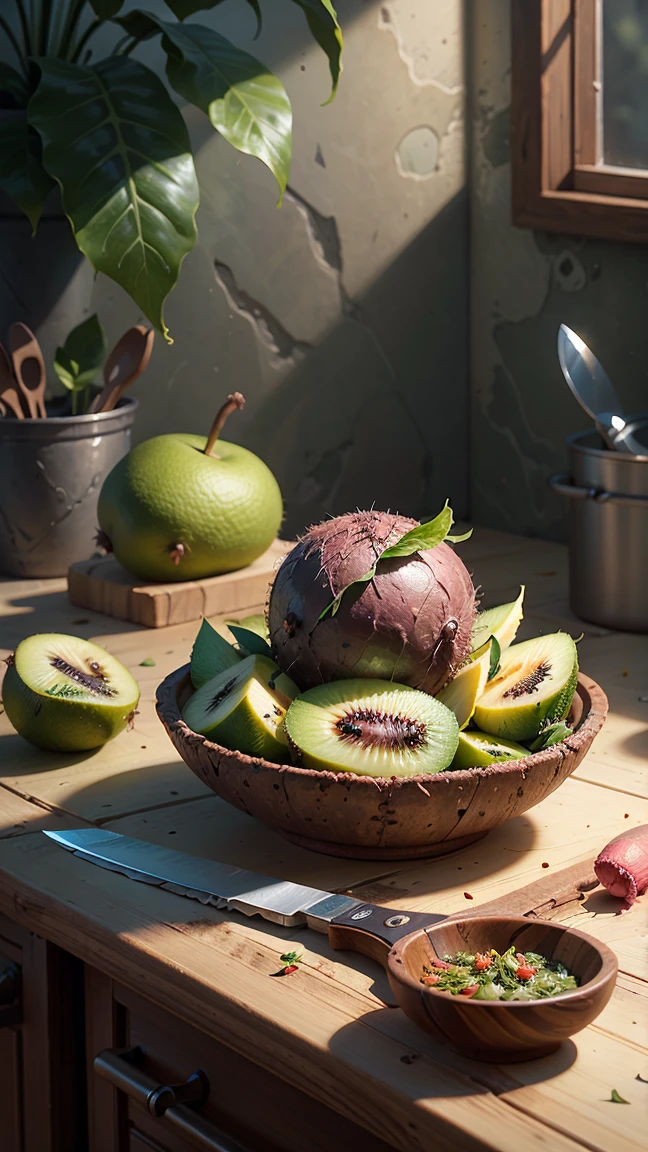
[320, 1059]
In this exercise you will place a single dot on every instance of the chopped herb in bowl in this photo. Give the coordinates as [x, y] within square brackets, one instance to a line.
[490, 975]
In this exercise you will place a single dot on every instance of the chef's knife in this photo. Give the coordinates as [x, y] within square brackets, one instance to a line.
[235, 889]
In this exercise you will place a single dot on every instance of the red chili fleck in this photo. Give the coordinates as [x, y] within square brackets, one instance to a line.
[469, 991]
[288, 969]
[545, 865]
[468, 896]
[626, 815]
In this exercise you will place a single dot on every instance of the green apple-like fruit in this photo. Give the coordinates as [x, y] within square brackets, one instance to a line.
[180, 507]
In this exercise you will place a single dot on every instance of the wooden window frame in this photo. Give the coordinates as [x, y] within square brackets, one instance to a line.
[557, 185]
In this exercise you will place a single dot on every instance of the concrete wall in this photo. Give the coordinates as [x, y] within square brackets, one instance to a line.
[342, 316]
[523, 285]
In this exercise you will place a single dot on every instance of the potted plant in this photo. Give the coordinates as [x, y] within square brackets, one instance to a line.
[108, 133]
[107, 138]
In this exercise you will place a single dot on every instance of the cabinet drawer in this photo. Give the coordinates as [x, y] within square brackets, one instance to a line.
[243, 1105]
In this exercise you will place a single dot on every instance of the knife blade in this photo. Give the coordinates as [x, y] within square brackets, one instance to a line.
[222, 885]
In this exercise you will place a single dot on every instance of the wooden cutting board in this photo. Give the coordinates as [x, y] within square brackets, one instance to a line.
[101, 584]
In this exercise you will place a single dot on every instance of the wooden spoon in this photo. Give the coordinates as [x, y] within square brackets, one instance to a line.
[9, 395]
[29, 368]
[126, 362]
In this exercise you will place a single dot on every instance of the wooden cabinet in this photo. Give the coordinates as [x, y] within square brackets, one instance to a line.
[138, 1051]
[42, 1074]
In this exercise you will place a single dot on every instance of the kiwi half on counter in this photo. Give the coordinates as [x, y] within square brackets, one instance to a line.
[243, 708]
[371, 728]
[534, 687]
[66, 694]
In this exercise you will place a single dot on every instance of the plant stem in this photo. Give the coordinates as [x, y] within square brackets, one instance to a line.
[236, 400]
[75, 11]
[24, 26]
[14, 43]
[90, 31]
[46, 25]
[74, 401]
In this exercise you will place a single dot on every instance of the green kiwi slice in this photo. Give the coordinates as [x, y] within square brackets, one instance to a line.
[243, 708]
[463, 691]
[66, 694]
[501, 622]
[210, 655]
[534, 687]
[477, 749]
[372, 728]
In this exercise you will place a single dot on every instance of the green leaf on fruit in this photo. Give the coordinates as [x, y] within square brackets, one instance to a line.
[495, 654]
[419, 539]
[616, 1099]
[77, 363]
[253, 644]
[148, 663]
[552, 734]
[119, 149]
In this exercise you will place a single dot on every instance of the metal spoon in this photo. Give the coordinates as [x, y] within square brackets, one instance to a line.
[126, 362]
[29, 368]
[9, 396]
[592, 387]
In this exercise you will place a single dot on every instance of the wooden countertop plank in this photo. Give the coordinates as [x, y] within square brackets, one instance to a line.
[123, 928]
[18, 816]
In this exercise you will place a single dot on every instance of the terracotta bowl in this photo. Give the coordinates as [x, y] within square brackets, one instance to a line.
[364, 818]
[492, 1030]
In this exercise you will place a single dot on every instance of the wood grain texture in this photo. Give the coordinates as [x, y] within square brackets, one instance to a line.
[102, 585]
[362, 817]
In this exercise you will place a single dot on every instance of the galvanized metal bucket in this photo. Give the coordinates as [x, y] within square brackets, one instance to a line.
[51, 472]
[608, 533]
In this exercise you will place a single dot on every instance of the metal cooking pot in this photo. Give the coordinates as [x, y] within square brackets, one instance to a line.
[608, 533]
[51, 472]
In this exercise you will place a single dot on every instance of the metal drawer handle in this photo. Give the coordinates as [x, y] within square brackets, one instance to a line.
[561, 483]
[119, 1066]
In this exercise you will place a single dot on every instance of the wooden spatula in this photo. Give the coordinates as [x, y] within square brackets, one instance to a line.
[126, 362]
[29, 368]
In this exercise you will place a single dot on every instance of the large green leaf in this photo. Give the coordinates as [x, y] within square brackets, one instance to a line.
[105, 9]
[22, 175]
[184, 8]
[245, 102]
[14, 83]
[323, 23]
[119, 149]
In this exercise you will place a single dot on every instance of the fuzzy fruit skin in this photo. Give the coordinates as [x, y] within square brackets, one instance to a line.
[60, 725]
[225, 510]
[391, 628]
[622, 866]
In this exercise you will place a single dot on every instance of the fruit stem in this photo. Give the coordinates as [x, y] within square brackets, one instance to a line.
[236, 400]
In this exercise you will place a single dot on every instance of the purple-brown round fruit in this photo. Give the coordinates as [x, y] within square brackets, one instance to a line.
[412, 623]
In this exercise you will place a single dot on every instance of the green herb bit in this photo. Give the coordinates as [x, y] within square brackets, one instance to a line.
[291, 958]
[616, 1099]
[148, 663]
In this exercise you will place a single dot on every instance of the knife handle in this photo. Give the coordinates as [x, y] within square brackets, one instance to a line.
[373, 930]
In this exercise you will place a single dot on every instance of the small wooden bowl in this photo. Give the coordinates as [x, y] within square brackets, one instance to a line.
[391, 819]
[497, 1031]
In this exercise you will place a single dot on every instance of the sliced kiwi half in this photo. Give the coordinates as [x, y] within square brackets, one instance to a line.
[477, 749]
[463, 691]
[243, 708]
[372, 728]
[210, 655]
[66, 694]
[534, 687]
[501, 622]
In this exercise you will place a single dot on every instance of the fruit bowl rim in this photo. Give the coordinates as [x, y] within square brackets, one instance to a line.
[589, 724]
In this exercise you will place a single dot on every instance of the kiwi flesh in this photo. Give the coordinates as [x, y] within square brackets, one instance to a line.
[501, 622]
[65, 694]
[463, 691]
[371, 728]
[243, 708]
[477, 749]
[534, 687]
[210, 655]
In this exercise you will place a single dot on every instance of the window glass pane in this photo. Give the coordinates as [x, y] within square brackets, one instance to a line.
[625, 83]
